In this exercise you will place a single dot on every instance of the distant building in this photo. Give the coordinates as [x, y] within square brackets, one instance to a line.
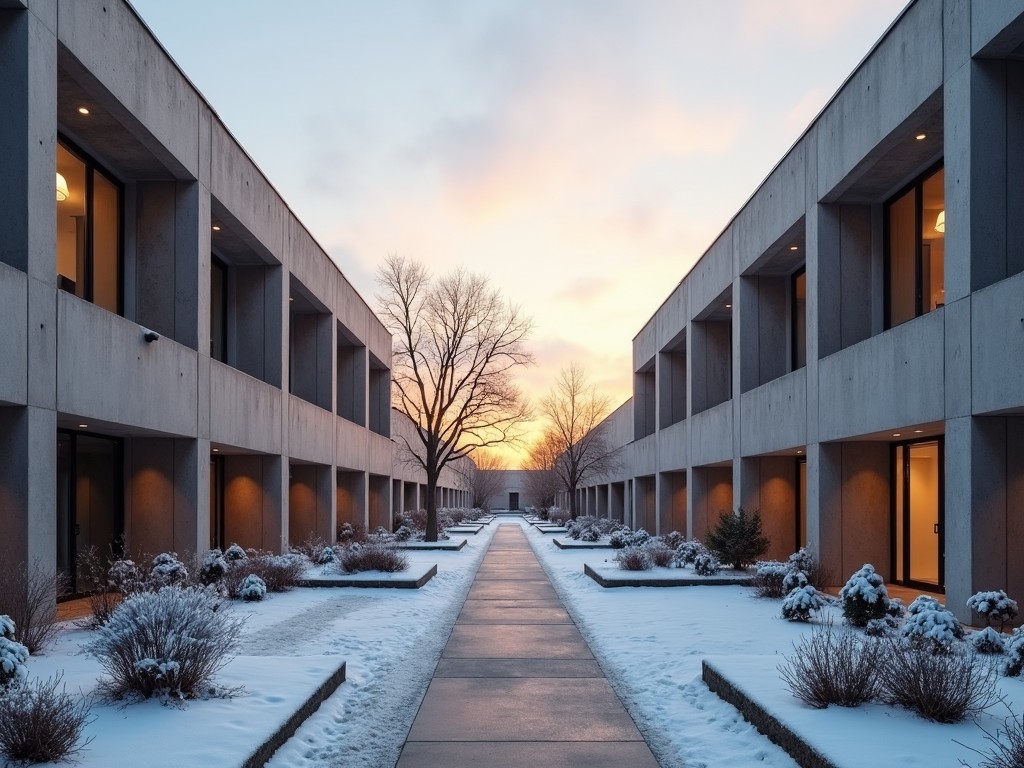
[183, 365]
[848, 355]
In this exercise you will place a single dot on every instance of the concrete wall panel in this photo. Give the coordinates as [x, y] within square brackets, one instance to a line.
[997, 346]
[244, 412]
[773, 417]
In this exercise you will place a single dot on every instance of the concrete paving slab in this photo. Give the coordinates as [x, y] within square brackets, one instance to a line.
[602, 754]
[510, 574]
[482, 612]
[518, 668]
[510, 590]
[550, 602]
[516, 641]
[527, 709]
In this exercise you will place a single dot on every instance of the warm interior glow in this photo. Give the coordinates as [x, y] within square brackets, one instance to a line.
[794, 247]
[62, 189]
[921, 136]
[940, 222]
[83, 110]
[216, 228]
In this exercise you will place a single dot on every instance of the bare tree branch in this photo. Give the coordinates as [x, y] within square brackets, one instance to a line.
[457, 342]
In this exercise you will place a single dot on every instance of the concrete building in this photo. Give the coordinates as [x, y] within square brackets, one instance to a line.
[848, 355]
[183, 365]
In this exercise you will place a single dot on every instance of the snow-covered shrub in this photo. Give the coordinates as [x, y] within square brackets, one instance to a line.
[661, 556]
[833, 666]
[864, 597]
[624, 537]
[1007, 750]
[235, 555]
[372, 556]
[944, 687]
[895, 608]
[328, 556]
[279, 572]
[795, 579]
[987, 641]
[802, 560]
[800, 603]
[13, 655]
[252, 589]
[590, 533]
[634, 558]
[993, 606]
[737, 539]
[688, 550]
[768, 577]
[881, 627]
[1013, 664]
[213, 568]
[672, 539]
[932, 629]
[41, 724]
[923, 603]
[167, 569]
[169, 642]
[706, 564]
[404, 533]
[107, 582]
[312, 547]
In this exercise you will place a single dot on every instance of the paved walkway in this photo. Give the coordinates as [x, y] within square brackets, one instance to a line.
[517, 684]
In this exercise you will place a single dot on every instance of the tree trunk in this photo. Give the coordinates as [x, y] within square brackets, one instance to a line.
[431, 505]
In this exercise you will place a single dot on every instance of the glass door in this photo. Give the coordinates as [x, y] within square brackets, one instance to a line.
[918, 514]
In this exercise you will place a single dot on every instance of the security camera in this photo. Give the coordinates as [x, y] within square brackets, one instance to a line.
[150, 336]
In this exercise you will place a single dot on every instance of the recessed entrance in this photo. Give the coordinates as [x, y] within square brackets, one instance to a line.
[918, 514]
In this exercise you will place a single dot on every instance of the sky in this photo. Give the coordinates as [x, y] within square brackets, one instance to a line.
[582, 154]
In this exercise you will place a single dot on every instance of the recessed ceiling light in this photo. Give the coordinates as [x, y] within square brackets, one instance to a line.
[895, 434]
[82, 426]
[216, 227]
[799, 451]
[83, 110]
[215, 450]
[291, 298]
[918, 431]
[921, 136]
[728, 306]
[794, 247]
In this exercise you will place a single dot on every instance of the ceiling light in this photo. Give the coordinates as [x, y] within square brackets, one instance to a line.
[918, 431]
[216, 227]
[896, 434]
[83, 110]
[215, 450]
[921, 136]
[799, 451]
[62, 189]
[940, 222]
[82, 426]
[794, 247]
[728, 306]
[291, 298]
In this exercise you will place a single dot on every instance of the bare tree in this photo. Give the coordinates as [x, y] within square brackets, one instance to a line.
[542, 482]
[575, 413]
[457, 342]
[485, 477]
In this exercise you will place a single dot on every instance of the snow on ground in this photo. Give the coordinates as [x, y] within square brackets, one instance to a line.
[650, 642]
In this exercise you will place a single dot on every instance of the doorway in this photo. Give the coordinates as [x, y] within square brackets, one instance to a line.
[90, 501]
[918, 514]
[513, 500]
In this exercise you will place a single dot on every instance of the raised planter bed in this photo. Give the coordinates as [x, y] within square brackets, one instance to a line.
[445, 545]
[576, 544]
[413, 578]
[610, 575]
[469, 528]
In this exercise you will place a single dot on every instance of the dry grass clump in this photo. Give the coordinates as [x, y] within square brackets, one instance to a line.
[278, 572]
[41, 724]
[29, 597]
[372, 556]
[634, 559]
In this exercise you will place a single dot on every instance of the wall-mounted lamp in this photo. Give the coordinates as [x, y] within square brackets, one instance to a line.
[940, 222]
[62, 189]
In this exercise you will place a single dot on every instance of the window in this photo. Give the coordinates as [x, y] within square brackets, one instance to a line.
[88, 231]
[798, 292]
[218, 310]
[915, 223]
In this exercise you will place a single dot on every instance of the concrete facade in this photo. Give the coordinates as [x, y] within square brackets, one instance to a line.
[738, 401]
[241, 391]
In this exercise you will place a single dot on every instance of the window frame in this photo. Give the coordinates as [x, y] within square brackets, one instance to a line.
[93, 166]
[916, 185]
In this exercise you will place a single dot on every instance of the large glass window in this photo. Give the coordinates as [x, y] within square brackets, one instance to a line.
[798, 293]
[218, 310]
[915, 223]
[88, 230]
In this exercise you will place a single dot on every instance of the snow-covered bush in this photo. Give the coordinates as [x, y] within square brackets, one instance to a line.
[799, 604]
[737, 539]
[795, 579]
[169, 642]
[372, 556]
[881, 627]
[279, 572]
[41, 724]
[993, 606]
[895, 608]
[328, 556]
[213, 568]
[987, 641]
[252, 589]
[1013, 664]
[634, 558]
[768, 578]
[802, 560]
[235, 555]
[864, 597]
[706, 564]
[591, 534]
[624, 537]
[404, 533]
[833, 666]
[1007, 750]
[167, 569]
[672, 539]
[661, 556]
[944, 687]
[932, 629]
[688, 550]
[13, 655]
[923, 603]
[26, 595]
[312, 547]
